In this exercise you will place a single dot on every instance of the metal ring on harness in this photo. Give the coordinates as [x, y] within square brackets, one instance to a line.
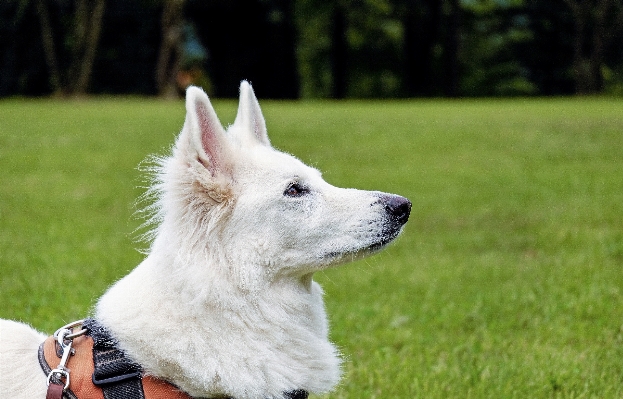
[70, 327]
[62, 373]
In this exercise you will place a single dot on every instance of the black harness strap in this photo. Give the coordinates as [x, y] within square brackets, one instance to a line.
[296, 394]
[115, 374]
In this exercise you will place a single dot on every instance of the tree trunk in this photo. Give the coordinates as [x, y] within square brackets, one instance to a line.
[88, 25]
[451, 50]
[339, 55]
[168, 64]
[47, 39]
[420, 24]
[588, 50]
[87, 20]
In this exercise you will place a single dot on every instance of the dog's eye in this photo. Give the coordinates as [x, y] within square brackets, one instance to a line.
[295, 190]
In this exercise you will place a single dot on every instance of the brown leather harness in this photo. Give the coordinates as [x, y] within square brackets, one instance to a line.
[82, 386]
[100, 370]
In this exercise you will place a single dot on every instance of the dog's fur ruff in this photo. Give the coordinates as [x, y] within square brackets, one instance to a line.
[224, 303]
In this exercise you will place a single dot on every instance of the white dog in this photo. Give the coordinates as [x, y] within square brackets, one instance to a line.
[224, 304]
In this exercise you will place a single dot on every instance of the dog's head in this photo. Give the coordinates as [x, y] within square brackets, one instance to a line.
[231, 195]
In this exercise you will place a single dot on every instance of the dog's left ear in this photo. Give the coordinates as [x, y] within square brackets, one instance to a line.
[205, 132]
[249, 117]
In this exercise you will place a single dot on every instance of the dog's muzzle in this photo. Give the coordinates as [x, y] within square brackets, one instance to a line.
[397, 211]
[398, 208]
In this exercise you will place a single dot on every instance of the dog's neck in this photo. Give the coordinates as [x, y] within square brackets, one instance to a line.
[221, 340]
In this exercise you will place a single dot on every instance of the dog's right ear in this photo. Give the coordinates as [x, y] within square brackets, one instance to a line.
[205, 132]
[249, 119]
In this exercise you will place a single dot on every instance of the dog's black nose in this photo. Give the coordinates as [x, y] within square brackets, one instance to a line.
[397, 207]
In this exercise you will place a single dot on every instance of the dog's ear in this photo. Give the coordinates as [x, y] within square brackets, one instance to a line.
[249, 117]
[206, 134]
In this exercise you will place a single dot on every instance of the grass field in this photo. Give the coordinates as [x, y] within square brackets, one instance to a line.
[508, 279]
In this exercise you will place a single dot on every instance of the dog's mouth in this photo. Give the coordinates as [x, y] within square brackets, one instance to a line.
[396, 213]
[377, 246]
[356, 253]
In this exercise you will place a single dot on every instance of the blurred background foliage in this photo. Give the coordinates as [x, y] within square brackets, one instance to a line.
[312, 48]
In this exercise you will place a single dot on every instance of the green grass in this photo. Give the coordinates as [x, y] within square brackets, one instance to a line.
[508, 279]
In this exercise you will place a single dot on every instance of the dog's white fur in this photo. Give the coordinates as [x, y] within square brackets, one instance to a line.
[224, 303]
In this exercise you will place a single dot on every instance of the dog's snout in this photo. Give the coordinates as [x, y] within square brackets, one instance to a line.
[397, 207]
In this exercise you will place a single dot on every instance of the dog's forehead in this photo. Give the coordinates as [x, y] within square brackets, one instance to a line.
[278, 165]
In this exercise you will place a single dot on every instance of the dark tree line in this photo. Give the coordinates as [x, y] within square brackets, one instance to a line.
[312, 48]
